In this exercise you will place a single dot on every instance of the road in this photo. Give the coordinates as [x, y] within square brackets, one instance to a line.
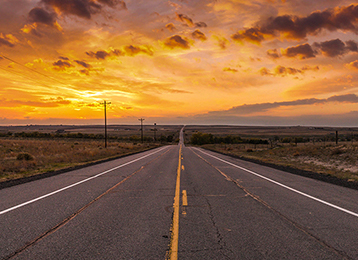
[178, 202]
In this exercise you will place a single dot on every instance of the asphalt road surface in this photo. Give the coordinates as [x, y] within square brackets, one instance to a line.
[178, 202]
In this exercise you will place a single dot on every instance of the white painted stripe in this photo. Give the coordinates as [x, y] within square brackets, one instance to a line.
[284, 186]
[77, 183]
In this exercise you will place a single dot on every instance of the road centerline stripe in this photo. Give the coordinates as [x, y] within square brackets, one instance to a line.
[174, 241]
[185, 198]
[75, 184]
[283, 185]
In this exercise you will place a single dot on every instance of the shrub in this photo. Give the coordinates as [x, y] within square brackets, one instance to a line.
[24, 156]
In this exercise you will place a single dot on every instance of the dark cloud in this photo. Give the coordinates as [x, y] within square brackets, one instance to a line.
[253, 35]
[230, 70]
[99, 55]
[39, 15]
[5, 40]
[332, 48]
[352, 46]
[82, 8]
[177, 41]
[284, 71]
[63, 58]
[281, 70]
[171, 27]
[197, 34]
[263, 107]
[201, 24]
[129, 50]
[293, 27]
[306, 67]
[303, 51]
[273, 54]
[353, 65]
[114, 3]
[222, 42]
[83, 64]
[185, 19]
[62, 65]
[132, 50]
[265, 72]
[85, 72]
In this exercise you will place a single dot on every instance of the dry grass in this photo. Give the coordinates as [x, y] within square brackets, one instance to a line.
[340, 161]
[26, 157]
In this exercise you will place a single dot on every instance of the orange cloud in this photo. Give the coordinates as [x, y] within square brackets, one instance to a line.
[230, 70]
[353, 65]
[177, 41]
[129, 50]
[8, 40]
[185, 19]
[197, 34]
[171, 27]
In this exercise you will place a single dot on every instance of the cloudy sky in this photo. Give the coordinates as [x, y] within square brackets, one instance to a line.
[263, 62]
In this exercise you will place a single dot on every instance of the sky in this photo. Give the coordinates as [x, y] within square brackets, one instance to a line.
[263, 62]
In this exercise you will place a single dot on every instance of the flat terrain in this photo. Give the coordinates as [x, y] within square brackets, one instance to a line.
[225, 209]
[36, 149]
[311, 149]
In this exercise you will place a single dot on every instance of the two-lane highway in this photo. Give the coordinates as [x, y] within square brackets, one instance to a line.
[178, 202]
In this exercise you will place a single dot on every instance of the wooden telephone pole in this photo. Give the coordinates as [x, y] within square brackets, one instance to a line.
[105, 103]
[141, 128]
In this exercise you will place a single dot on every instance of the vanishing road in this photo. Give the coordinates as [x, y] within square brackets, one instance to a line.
[178, 202]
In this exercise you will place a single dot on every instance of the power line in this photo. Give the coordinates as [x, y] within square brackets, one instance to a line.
[42, 74]
[25, 77]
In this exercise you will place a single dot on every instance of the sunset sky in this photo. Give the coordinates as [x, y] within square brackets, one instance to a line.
[263, 62]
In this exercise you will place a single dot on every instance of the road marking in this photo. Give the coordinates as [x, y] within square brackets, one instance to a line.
[173, 250]
[182, 167]
[283, 185]
[75, 184]
[185, 198]
[184, 202]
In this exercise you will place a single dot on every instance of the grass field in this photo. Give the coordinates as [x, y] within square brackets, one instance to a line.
[340, 161]
[27, 157]
[319, 153]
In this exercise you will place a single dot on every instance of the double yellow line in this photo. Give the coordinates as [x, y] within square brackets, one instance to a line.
[173, 250]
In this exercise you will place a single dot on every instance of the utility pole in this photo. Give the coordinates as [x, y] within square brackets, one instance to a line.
[155, 130]
[141, 127]
[105, 103]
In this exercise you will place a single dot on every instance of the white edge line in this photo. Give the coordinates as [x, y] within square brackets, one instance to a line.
[75, 184]
[282, 185]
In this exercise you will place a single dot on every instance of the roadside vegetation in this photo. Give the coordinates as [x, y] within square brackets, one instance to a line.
[320, 155]
[23, 157]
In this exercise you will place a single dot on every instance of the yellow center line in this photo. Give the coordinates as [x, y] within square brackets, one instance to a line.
[173, 251]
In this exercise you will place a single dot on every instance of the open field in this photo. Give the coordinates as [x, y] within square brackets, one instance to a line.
[31, 150]
[306, 148]
[121, 132]
[23, 158]
[316, 150]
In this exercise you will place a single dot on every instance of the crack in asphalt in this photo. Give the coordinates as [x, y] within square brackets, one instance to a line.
[220, 238]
